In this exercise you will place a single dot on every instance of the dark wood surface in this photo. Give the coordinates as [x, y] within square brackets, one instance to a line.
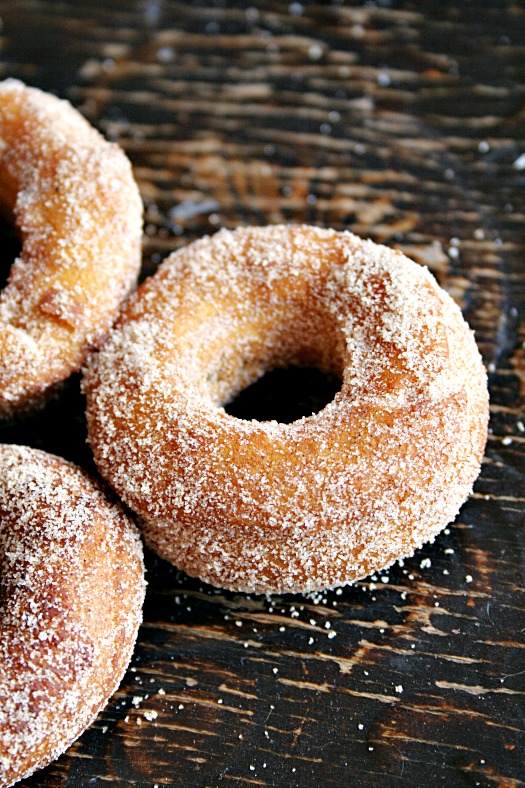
[403, 121]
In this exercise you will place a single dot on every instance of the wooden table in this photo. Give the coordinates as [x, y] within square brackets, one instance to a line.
[399, 120]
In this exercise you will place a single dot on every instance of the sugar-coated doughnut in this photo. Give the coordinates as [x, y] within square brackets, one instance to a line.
[270, 507]
[77, 210]
[72, 587]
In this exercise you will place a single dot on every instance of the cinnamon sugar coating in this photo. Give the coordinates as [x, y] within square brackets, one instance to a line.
[72, 587]
[268, 507]
[77, 210]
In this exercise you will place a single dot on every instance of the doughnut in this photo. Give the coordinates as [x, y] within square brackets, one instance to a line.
[267, 507]
[72, 587]
[74, 203]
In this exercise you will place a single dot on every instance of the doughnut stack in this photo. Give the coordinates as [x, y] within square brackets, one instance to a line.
[247, 505]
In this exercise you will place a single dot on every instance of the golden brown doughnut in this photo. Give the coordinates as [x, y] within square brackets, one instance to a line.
[267, 507]
[72, 587]
[76, 207]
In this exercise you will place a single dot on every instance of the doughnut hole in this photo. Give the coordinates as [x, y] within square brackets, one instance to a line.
[285, 395]
[11, 248]
[280, 373]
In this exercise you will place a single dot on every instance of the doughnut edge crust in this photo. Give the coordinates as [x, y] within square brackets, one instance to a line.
[271, 508]
[72, 589]
[74, 202]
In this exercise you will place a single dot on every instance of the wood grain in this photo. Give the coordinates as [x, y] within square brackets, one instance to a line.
[401, 121]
